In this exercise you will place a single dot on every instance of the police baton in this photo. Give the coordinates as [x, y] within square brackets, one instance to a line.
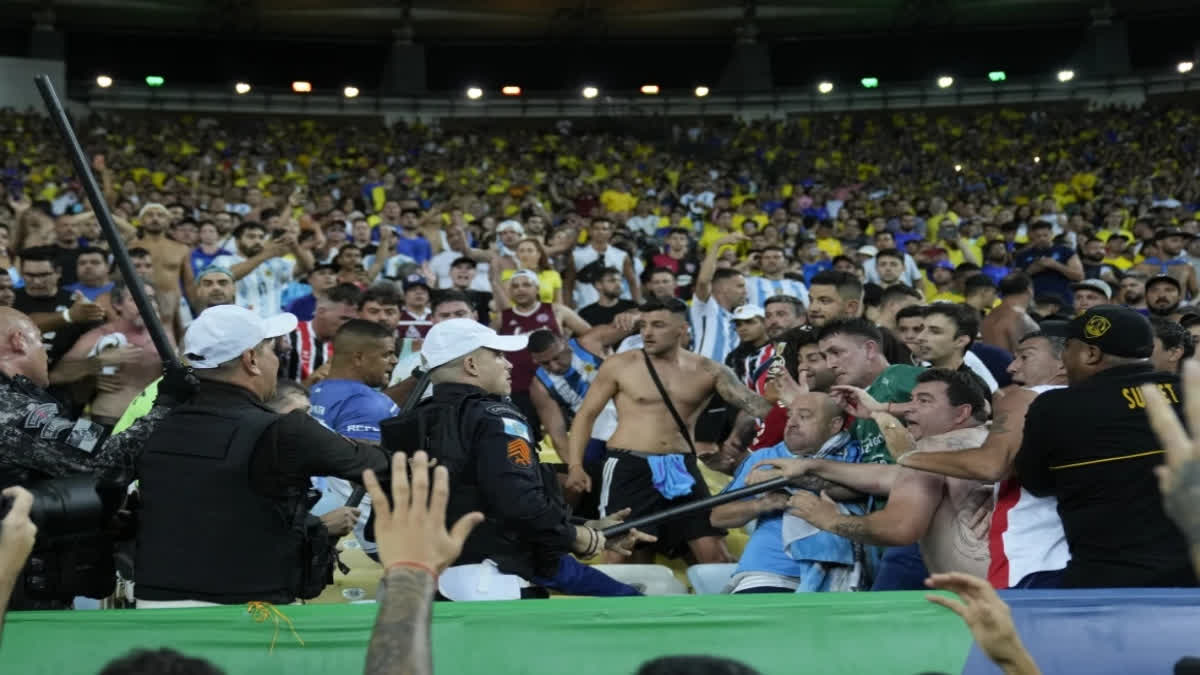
[414, 397]
[100, 209]
[702, 505]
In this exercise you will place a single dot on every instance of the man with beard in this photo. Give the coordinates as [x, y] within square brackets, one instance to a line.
[782, 314]
[1132, 292]
[260, 270]
[833, 296]
[117, 384]
[1171, 260]
[1163, 295]
[172, 261]
[609, 302]
[1092, 256]
[773, 264]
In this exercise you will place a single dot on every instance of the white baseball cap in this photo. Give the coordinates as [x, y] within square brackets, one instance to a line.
[526, 274]
[747, 312]
[222, 333]
[452, 338]
[510, 225]
[868, 250]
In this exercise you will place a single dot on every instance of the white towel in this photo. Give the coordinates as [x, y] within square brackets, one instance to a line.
[105, 342]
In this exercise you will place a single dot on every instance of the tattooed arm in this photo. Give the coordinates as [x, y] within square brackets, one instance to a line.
[991, 461]
[905, 519]
[734, 392]
[401, 642]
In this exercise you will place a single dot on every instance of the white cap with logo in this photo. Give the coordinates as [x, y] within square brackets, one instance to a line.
[222, 333]
[452, 338]
[747, 312]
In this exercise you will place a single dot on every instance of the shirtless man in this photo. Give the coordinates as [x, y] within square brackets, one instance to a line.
[947, 413]
[117, 385]
[1005, 325]
[172, 263]
[646, 435]
[1171, 260]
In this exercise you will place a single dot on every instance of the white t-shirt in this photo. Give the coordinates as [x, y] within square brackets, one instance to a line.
[586, 294]
[910, 277]
[442, 263]
[262, 289]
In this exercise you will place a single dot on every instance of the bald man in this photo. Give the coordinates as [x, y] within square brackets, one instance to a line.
[38, 443]
[814, 429]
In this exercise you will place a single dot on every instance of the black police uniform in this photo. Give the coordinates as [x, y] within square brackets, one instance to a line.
[487, 446]
[224, 483]
[1091, 446]
[38, 443]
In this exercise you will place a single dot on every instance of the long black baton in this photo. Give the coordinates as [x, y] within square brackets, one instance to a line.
[414, 397]
[100, 209]
[684, 509]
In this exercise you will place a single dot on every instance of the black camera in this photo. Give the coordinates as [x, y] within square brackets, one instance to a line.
[68, 505]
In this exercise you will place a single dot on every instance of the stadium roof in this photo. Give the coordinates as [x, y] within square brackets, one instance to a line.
[454, 20]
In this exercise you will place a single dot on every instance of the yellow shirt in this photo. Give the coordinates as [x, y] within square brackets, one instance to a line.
[831, 246]
[549, 282]
[1119, 263]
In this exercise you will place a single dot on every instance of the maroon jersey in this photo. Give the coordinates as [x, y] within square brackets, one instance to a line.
[515, 323]
[413, 326]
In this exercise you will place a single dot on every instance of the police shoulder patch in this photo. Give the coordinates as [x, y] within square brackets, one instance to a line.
[516, 428]
[503, 409]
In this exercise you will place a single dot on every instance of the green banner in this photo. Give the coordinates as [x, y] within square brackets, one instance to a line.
[826, 633]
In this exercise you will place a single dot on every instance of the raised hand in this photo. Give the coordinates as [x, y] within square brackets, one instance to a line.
[1179, 475]
[856, 401]
[987, 617]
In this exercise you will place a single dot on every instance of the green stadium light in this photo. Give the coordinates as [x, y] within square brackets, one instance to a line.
[997, 76]
[154, 80]
[870, 82]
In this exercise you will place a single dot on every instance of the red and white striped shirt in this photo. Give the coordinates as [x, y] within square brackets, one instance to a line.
[309, 352]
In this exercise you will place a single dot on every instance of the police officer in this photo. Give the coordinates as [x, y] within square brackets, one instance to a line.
[37, 443]
[224, 480]
[469, 426]
[1091, 446]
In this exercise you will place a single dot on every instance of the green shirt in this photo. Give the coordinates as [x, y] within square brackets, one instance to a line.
[138, 407]
[894, 385]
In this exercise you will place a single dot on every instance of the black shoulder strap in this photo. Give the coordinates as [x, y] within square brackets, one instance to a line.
[667, 400]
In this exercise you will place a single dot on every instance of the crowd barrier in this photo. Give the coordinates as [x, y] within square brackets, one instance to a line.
[1135, 631]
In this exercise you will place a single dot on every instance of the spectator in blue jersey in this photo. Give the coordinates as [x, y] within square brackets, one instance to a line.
[812, 260]
[320, 280]
[209, 247]
[348, 400]
[409, 241]
[772, 281]
[91, 273]
[718, 292]
[1053, 268]
[781, 558]
[996, 260]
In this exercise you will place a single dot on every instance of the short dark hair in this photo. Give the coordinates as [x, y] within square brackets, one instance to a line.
[672, 305]
[962, 388]
[978, 282]
[383, 294]
[840, 258]
[872, 295]
[772, 247]
[247, 226]
[40, 254]
[911, 312]
[450, 295]
[898, 292]
[725, 273]
[797, 305]
[145, 661]
[345, 294]
[694, 665]
[679, 230]
[91, 250]
[848, 286]
[660, 270]
[1016, 283]
[361, 329]
[858, 327]
[139, 252]
[1041, 225]
[965, 319]
[1173, 335]
[794, 339]
[607, 272]
[891, 253]
[542, 339]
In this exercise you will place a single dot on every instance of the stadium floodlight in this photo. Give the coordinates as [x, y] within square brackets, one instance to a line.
[997, 76]
[154, 80]
[590, 92]
[870, 82]
[242, 87]
[104, 81]
[474, 93]
[945, 82]
[1185, 67]
[1066, 75]
[302, 87]
[510, 90]
[350, 91]
[958, 167]
[825, 87]
[1036, 159]
[650, 89]
[701, 91]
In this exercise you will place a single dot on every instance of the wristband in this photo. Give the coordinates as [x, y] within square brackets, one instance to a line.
[66, 315]
[414, 565]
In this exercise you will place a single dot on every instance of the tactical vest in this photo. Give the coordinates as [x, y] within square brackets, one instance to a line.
[204, 532]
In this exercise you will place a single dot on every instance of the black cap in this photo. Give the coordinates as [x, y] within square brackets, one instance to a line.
[413, 281]
[1160, 278]
[1172, 232]
[1116, 330]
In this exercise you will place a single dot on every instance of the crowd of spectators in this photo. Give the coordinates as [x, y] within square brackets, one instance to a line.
[942, 288]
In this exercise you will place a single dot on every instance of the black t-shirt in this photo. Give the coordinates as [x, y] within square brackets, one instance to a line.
[58, 342]
[65, 258]
[1091, 446]
[599, 316]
